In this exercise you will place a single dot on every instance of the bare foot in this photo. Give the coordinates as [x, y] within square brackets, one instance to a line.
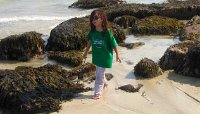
[97, 97]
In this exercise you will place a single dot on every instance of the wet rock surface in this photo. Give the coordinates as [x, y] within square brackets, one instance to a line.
[35, 90]
[147, 68]
[21, 47]
[175, 54]
[71, 58]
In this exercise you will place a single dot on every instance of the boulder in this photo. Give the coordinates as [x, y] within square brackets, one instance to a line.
[191, 64]
[125, 21]
[147, 68]
[21, 47]
[175, 54]
[73, 35]
[72, 58]
[191, 31]
[156, 25]
[89, 4]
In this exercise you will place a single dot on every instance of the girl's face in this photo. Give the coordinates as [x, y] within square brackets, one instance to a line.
[97, 21]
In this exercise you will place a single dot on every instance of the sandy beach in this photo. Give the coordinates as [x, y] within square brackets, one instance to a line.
[166, 94]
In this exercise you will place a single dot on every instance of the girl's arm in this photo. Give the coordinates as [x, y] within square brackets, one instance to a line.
[86, 50]
[117, 55]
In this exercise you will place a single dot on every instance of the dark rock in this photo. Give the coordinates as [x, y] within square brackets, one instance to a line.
[125, 21]
[72, 58]
[156, 25]
[39, 90]
[132, 45]
[21, 47]
[130, 88]
[191, 64]
[175, 54]
[89, 4]
[172, 10]
[109, 76]
[147, 68]
[191, 31]
[73, 35]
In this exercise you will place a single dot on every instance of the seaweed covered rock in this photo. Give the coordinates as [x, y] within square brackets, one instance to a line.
[125, 21]
[191, 64]
[37, 90]
[89, 4]
[21, 47]
[130, 88]
[191, 31]
[132, 45]
[174, 55]
[69, 35]
[181, 10]
[147, 68]
[73, 34]
[156, 25]
[72, 58]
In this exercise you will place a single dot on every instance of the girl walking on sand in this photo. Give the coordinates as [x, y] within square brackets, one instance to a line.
[103, 43]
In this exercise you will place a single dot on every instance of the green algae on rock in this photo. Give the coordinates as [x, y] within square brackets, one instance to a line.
[156, 25]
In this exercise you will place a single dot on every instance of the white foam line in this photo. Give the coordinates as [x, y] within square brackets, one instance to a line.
[36, 18]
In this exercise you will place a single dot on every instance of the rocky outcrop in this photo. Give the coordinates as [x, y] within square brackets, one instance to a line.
[147, 68]
[156, 25]
[89, 4]
[21, 47]
[191, 31]
[125, 21]
[73, 35]
[172, 10]
[191, 64]
[39, 90]
[175, 54]
[71, 58]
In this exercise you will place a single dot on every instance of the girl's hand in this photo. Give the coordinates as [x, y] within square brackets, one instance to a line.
[118, 59]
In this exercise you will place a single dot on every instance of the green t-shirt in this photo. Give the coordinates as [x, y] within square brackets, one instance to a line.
[102, 48]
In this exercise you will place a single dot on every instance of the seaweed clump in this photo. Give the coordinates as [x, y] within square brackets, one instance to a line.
[147, 68]
[72, 58]
[36, 90]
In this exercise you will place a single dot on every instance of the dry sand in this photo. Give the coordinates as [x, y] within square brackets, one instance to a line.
[166, 94]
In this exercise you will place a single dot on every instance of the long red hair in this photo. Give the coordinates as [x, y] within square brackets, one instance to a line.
[102, 15]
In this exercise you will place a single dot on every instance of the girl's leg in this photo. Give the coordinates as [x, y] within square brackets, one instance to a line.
[99, 82]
